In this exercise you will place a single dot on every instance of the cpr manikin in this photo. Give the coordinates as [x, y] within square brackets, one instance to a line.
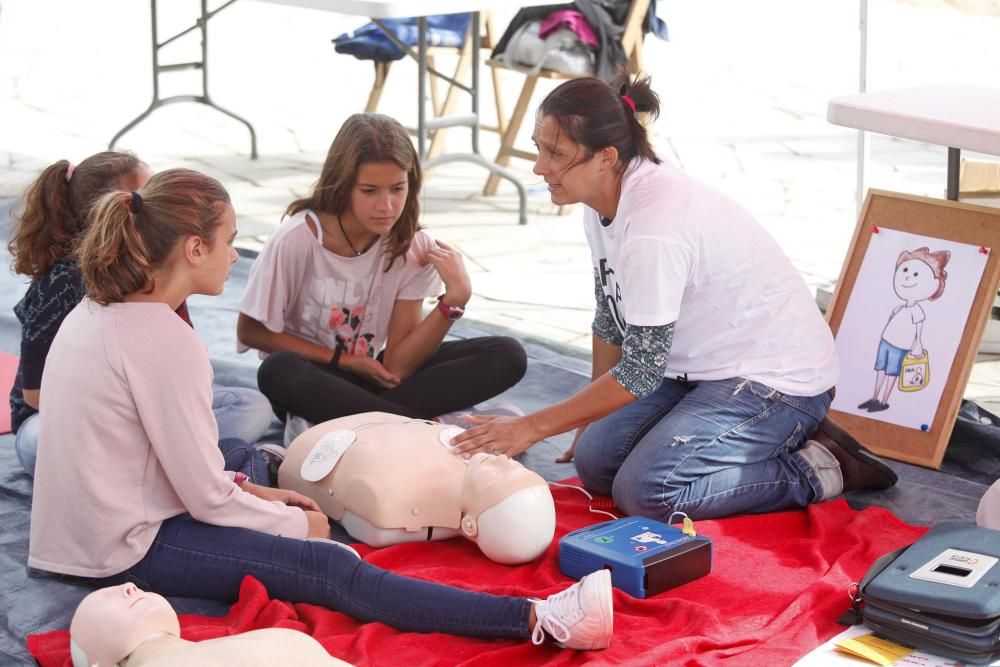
[125, 625]
[390, 479]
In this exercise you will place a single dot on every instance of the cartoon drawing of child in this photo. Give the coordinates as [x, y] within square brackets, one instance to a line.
[919, 276]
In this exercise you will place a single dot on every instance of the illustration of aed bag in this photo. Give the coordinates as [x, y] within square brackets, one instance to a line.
[645, 557]
[915, 373]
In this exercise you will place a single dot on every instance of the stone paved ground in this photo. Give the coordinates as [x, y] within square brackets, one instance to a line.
[744, 89]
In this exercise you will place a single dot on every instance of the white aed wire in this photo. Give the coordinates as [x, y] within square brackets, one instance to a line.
[590, 505]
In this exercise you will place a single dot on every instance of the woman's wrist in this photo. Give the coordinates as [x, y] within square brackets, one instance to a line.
[536, 428]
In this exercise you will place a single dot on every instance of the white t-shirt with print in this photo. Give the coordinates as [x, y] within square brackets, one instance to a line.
[297, 286]
[678, 251]
[901, 330]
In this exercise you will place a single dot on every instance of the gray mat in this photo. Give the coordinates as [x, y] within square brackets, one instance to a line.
[36, 604]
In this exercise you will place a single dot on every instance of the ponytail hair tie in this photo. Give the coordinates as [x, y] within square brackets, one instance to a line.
[136, 202]
[69, 171]
[629, 101]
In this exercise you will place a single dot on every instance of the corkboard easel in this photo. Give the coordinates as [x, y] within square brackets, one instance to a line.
[938, 218]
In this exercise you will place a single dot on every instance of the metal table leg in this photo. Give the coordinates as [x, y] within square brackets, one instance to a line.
[204, 98]
[460, 120]
[954, 169]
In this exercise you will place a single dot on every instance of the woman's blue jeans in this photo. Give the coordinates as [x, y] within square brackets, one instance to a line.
[193, 559]
[708, 449]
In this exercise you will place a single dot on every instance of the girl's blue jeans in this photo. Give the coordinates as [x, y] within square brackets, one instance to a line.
[193, 559]
[708, 449]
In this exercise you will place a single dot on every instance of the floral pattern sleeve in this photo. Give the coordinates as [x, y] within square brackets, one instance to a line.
[604, 322]
[644, 358]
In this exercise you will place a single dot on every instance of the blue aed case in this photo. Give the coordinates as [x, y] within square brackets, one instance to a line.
[645, 557]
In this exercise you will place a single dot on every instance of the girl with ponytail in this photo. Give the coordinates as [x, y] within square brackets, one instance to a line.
[711, 363]
[53, 215]
[130, 485]
[47, 225]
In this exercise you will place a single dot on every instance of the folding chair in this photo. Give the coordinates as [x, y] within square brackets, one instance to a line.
[631, 42]
[447, 106]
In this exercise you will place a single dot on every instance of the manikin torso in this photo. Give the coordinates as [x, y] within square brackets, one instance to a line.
[124, 625]
[396, 471]
[390, 479]
[257, 648]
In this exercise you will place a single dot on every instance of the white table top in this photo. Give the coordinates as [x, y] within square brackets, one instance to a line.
[395, 9]
[954, 115]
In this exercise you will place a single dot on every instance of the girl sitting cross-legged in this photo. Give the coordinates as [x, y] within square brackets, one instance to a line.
[335, 297]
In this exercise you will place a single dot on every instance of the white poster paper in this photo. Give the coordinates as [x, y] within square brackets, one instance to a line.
[902, 326]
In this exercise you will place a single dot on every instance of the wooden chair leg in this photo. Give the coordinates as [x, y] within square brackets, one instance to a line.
[498, 101]
[462, 69]
[635, 60]
[433, 85]
[489, 42]
[510, 134]
[381, 72]
[632, 37]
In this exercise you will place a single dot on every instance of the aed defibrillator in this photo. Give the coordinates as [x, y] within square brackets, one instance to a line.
[940, 594]
[645, 557]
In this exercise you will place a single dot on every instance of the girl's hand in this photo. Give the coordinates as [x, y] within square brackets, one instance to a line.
[495, 435]
[369, 369]
[319, 525]
[286, 496]
[449, 264]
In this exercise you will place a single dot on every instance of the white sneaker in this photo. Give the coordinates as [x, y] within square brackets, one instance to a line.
[339, 545]
[458, 418]
[294, 427]
[579, 617]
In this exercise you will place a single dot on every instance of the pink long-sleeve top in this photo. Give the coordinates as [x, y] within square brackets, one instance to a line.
[128, 439]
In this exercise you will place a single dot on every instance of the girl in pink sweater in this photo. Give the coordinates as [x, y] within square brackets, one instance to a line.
[129, 484]
[48, 223]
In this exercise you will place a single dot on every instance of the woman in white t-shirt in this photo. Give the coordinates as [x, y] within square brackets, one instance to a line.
[711, 363]
[335, 297]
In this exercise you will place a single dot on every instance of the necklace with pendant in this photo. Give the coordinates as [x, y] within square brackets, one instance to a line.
[357, 253]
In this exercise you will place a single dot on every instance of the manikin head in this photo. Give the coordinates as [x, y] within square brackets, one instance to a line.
[111, 623]
[507, 510]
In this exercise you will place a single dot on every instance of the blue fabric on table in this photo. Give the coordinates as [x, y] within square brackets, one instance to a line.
[369, 42]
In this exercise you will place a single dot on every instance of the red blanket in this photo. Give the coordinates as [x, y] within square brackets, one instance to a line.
[778, 584]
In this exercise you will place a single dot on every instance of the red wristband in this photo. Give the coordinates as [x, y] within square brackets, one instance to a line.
[239, 478]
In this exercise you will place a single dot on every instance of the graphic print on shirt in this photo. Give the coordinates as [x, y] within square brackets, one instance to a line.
[607, 274]
[336, 312]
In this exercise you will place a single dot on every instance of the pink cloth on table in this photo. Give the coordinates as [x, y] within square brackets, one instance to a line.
[573, 20]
